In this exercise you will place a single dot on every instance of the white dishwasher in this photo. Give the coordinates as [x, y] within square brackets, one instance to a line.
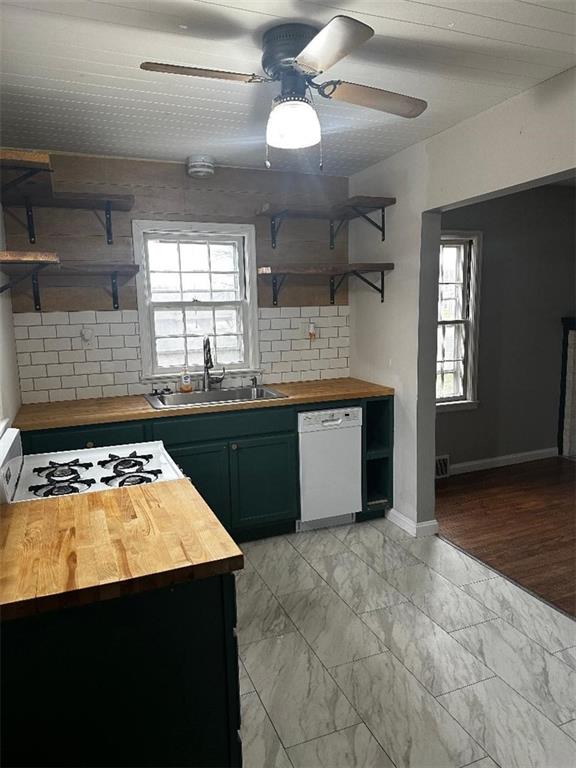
[330, 466]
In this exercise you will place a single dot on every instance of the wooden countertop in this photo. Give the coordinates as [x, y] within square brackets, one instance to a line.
[112, 409]
[79, 549]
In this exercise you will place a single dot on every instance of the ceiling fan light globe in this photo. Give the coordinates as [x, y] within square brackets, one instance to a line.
[293, 124]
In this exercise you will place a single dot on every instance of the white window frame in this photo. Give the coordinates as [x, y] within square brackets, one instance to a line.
[469, 399]
[144, 228]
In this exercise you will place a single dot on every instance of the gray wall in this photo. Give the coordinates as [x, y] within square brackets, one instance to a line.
[528, 284]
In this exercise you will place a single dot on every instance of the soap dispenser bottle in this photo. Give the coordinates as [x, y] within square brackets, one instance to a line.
[185, 383]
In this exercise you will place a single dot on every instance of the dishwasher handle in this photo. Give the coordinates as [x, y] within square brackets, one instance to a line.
[331, 422]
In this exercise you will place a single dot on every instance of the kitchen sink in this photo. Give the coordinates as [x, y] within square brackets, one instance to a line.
[239, 395]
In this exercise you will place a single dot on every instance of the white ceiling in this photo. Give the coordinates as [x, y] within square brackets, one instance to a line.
[71, 80]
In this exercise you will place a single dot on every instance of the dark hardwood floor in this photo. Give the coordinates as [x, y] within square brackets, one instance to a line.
[520, 520]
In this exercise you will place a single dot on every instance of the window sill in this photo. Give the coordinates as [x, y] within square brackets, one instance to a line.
[457, 405]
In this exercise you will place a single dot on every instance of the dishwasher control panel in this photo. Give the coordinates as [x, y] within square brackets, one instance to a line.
[311, 421]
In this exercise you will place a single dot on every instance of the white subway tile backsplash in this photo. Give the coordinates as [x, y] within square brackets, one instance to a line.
[344, 310]
[122, 329]
[62, 394]
[110, 342]
[48, 382]
[116, 390]
[57, 364]
[55, 318]
[57, 345]
[32, 371]
[114, 366]
[290, 312]
[92, 355]
[90, 367]
[98, 379]
[27, 318]
[130, 353]
[42, 331]
[60, 369]
[75, 381]
[112, 316]
[83, 317]
[35, 397]
[85, 393]
[43, 357]
[131, 377]
[75, 356]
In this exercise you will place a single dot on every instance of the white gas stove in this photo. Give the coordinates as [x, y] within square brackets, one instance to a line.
[45, 475]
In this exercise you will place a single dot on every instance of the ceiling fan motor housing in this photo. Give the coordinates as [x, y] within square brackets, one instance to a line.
[282, 44]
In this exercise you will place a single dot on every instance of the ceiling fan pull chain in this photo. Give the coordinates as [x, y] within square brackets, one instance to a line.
[321, 165]
[267, 163]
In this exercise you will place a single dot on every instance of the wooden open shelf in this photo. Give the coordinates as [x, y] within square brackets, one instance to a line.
[9, 259]
[354, 208]
[336, 273]
[20, 158]
[45, 199]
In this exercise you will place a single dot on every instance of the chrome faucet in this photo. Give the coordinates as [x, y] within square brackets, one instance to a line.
[208, 379]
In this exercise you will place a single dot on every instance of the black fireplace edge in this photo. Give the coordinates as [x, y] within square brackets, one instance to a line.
[568, 324]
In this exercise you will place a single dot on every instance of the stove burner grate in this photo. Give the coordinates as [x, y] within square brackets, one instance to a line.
[126, 465]
[59, 472]
[133, 478]
[60, 488]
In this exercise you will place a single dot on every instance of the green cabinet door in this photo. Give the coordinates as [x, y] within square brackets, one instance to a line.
[208, 467]
[264, 480]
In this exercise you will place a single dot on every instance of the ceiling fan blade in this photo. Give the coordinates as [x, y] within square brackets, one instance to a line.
[375, 98]
[334, 41]
[215, 74]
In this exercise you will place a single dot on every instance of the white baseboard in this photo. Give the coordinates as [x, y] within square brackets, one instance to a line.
[427, 528]
[502, 461]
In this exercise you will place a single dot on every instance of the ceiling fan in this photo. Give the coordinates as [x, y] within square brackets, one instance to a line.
[295, 55]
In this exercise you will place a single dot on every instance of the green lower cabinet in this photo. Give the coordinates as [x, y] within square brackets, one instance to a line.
[264, 480]
[208, 467]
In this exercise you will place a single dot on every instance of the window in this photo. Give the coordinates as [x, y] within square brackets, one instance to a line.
[456, 357]
[196, 280]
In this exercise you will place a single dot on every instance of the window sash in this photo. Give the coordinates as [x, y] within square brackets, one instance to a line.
[195, 304]
[465, 322]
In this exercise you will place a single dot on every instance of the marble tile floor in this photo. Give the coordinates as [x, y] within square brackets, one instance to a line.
[361, 647]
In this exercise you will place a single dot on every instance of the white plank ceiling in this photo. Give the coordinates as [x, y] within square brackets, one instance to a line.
[71, 81]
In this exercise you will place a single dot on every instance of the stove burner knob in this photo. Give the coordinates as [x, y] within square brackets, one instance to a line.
[234, 446]
[89, 444]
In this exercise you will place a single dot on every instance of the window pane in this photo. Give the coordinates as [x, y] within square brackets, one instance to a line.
[168, 322]
[195, 347]
[194, 257]
[451, 263]
[449, 380]
[163, 256]
[199, 322]
[170, 353]
[165, 286]
[451, 342]
[196, 286]
[450, 302]
[228, 321]
[229, 349]
[223, 257]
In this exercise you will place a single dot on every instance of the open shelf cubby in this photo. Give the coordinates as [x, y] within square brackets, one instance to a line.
[378, 483]
[379, 428]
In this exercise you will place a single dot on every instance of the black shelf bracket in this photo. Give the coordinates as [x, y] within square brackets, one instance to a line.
[30, 222]
[337, 280]
[28, 173]
[277, 283]
[380, 227]
[334, 230]
[114, 281]
[275, 224]
[35, 284]
[108, 218]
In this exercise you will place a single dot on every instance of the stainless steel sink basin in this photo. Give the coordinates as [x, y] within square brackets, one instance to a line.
[239, 395]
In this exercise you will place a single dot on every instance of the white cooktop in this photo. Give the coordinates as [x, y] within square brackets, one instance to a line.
[47, 475]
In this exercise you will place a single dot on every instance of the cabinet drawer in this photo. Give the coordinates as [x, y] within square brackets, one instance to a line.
[218, 426]
[91, 436]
